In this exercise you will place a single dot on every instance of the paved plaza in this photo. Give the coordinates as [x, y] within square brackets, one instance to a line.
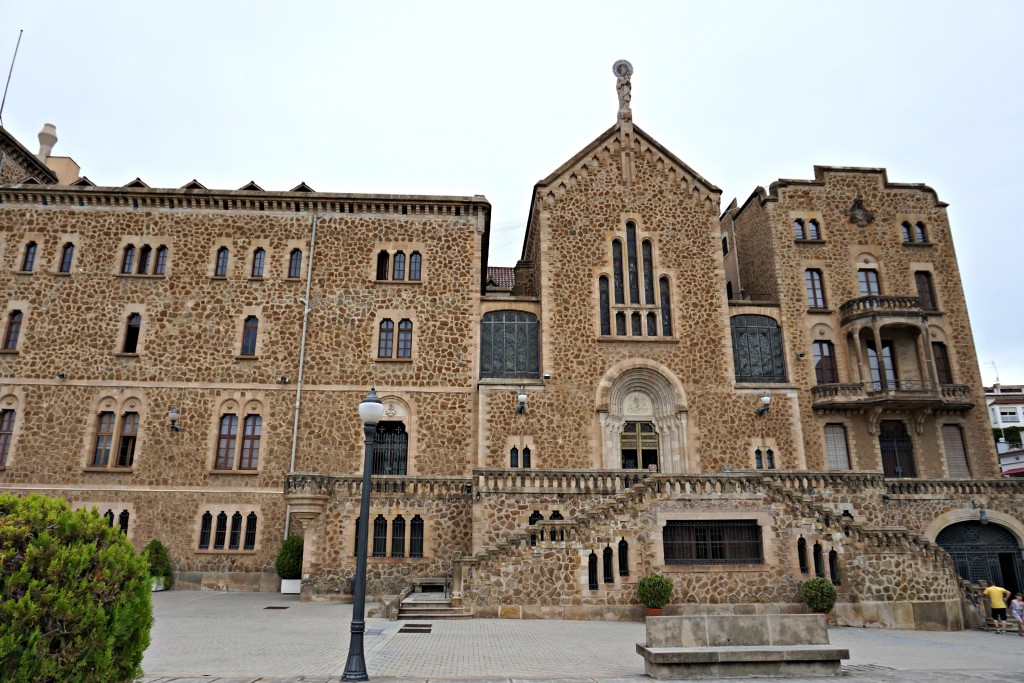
[248, 637]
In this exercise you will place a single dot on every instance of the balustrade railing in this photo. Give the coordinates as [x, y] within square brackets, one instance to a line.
[323, 484]
[557, 480]
[875, 304]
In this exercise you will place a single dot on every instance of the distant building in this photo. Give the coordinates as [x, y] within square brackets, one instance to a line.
[1005, 404]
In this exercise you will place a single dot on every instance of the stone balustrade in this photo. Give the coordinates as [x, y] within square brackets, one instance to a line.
[879, 305]
[504, 480]
[953, 487]
[351, 486]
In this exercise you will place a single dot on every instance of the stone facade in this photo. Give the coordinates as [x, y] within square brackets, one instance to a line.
[652, 370]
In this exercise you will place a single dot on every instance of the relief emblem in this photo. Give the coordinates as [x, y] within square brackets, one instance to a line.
[860, 216]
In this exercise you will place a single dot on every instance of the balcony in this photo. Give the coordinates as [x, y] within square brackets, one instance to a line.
[881, 306]
[907, 393]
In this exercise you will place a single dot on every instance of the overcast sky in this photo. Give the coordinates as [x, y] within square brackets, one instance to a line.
[480, 98]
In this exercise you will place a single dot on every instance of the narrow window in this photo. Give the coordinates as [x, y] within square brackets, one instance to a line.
[943, 369]
[415, 266]
[13, 331]
[145, 256]
[380, 536]
[104, 439]
[636, 325]
[607, 561]
[905, 229]
[386, 338]
[728, 290]
[876, 365]
[126, 441]
[249, 332]
[648, 274]
[28, 261]
[122, 521]
[815, 285]
[295, 264]
[358, 535]
[592, 571]
[836, 451]
[382, 265]
[526, 457]
[897, 450]
[221, 532]
[813, 230]
[160, 268]
[258, 261]
[620, 324]
[405, 338]
[769, 457]
[798, 230]
[205, 528]
[652, 324]
[251, 442]
[868, 281]
[606, 319]
[725, 246]
[226, 438]
[398, 537]
[109, 516]
[956, 452]
[819, 561]
[131, 334]
[920, 233]
[513, 457]
[825, 362]
[666, 309]
[416, 537]
[833, 567]
[617, 271]
[634, 276]
[250, 532]
[758, 459]
[390, 449]
[235, 539]
[128, 260]
[623, 557]
[6, 434]
[925, 290]
[398, 267]
[801, 555]
[221, 268]
[67, 255]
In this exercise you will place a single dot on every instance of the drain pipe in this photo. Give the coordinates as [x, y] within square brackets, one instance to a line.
[302, 363]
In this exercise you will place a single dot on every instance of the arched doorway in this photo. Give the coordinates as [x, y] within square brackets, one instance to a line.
[985, 552]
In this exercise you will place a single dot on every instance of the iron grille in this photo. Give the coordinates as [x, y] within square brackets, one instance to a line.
[757, 349]
[712, 542]
[897, 449]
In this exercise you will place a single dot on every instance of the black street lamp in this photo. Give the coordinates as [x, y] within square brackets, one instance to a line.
[370, 412]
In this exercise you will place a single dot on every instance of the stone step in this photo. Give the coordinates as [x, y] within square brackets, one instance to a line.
[428, 613]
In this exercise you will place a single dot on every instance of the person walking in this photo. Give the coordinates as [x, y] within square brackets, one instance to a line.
[997, 599]
[1017, 610]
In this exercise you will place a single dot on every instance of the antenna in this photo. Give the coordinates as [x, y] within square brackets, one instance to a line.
[9, 72]
[992, 364]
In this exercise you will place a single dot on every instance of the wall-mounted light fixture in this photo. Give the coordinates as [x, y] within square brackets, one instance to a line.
[982, 513]
[521, 408]
[478, 495]
[885, 498]
[172, 418]
[766, 403]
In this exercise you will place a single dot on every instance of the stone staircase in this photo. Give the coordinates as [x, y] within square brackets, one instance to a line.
[429, 607]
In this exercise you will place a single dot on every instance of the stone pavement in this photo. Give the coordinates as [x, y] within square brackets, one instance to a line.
[234, 638]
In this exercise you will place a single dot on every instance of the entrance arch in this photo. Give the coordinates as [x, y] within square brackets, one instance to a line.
[985, 552]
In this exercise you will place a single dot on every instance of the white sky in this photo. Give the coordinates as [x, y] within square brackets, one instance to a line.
[486, 98]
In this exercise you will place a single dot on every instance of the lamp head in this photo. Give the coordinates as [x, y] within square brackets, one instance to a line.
[766, 402]
[522, 403]
[370, 408]
[172, 417]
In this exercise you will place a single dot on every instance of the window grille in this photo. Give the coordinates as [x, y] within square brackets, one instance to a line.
[416, 537]
[833, 567]
[897, 449]
[122, 521]
[801, 555]
[250, 532]
[712, 542]
[398, 536]
[509, 344]
[757, 349]
[380, 536]
[623, 557]
[109, 516]
[592, 571]
[204, 530]
[609, 570]
[221, 531]
[390, 449]
[819, 561]
[236, 531]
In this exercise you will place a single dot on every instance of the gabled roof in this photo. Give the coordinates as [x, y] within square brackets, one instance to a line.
[251, 186]
[23, 157]
[30, 180]
[502, 277]
[193, 185]
[83, 182]
[137, 183]
[302, 187]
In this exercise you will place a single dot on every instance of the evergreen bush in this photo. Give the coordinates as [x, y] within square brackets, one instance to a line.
[288, 564]
[74, 595]
[819, 594]
[159, 560]
[654, 591]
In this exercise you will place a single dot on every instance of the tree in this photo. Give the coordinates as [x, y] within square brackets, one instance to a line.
[74, 595]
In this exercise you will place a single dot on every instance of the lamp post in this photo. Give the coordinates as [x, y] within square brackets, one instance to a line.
[370, 412]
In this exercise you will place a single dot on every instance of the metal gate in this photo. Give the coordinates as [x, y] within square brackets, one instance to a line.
[986, 552]
[897, 449]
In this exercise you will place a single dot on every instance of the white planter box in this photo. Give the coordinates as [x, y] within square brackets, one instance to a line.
[157, 584]
[291, 586]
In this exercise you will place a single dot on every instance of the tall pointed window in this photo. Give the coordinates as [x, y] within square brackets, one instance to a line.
[608, 559]
[7, 418]
[799, 229]
[259, 258]
[220, 535]
[919, 232]
[634, 275]
[386, 338]
[907, 232]
[160, 267]
[398, 267]
[145, 256]
[666, 308]
[294, 264]
[250, 532]
[28, 260]
[813, 230]
[416, 533]
[205, 529]
[801, 555]
[250, 330]
[128, 260]
[13, 330]
[398, 536]
[404, 339]
[616, 271]
[623, 557]
[592, 571]
[380, 536]
[415, 266]
[648, 273]
[131, 334]
[220, 269]
[606, 318]
[67, 255]
[383, 260]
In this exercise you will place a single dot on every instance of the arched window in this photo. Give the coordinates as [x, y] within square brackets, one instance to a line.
[227, 436]
[758, 459]
[127, 260]
[606, 318]
[636, 325]
[131, 334]
[259, 258]
[205, 529]
[104, 439]
[609, 569]
[919, 232]
[160, 267]
[634, 275]
[813, 230]
[67, 255]
[250, 330]
[28, 261]
[620, 324]
[623, 557]
[250, 532]
[235, 539]
[815, 285]
[221, 267]
[295, 264]
[415, 266]
[725, 246]
[386, 338]
[382, 265]
[592, 571]
[819, 561]
[906, 230]
[122, 521]
[769, 459]
[801, 555]
[127, 438]
[652, 324]
[757, 349]
[616, 271]
[251, 435]
[220, 535]
[799, 231]
[390, 449]
[526, 457]
[833, 567]
[109, 516]
[380, 536]
[416, 537]
[405, 338]
[648, 273]
[13, 331]
[145, 256]
[509, 344]
[398, 536]
[513, 457]
[7, 417]
[666, 308]
[398, 269]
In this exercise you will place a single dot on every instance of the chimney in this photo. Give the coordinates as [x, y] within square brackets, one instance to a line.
[47, 139]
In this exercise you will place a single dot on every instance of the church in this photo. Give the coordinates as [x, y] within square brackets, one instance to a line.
[739, 398]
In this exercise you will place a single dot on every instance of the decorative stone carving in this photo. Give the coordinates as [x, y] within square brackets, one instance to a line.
[860, 216]
[637, 403]
[623, 70]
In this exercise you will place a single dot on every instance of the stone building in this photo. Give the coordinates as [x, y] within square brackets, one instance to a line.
[738, 399]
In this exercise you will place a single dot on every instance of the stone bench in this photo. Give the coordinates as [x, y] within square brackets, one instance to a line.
[721, 645]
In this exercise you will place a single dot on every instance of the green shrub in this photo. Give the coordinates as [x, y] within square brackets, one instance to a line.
[289, 558]
[74, 596]
[654, 591]
[159, 561]
[819, 594]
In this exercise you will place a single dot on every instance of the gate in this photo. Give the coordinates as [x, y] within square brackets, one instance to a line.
[985, 552]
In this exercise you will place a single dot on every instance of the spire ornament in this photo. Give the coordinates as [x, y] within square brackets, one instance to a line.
[623, 70]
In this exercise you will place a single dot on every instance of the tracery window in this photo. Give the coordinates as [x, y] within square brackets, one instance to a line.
[509, 344]
[757, 349]
[648, 293]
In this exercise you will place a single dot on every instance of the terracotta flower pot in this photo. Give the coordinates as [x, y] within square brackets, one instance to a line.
[654, 611]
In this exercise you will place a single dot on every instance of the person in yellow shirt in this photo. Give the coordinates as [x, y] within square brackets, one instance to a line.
[997, 598]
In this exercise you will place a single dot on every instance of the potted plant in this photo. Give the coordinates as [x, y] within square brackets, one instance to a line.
[819, 595]
[654, 591]
[160, 570]
[288, 564]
